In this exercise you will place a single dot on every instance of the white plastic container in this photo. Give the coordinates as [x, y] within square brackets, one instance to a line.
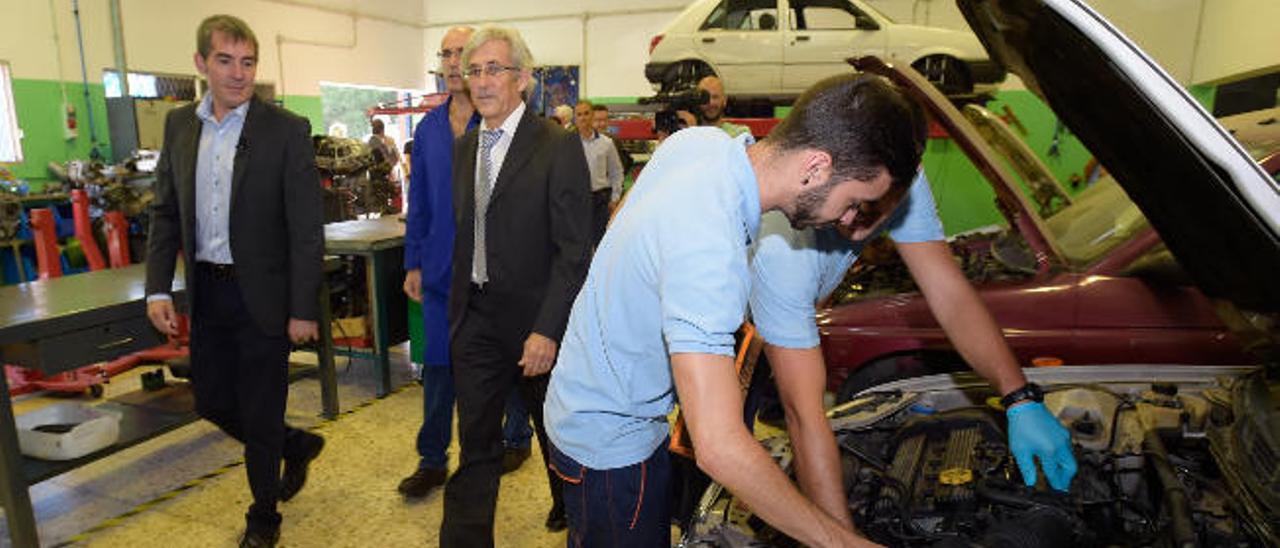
[66, 431]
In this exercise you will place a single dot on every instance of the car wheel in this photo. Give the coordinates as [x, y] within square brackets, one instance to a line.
[896, 367]
[948, 74]
[685, 76]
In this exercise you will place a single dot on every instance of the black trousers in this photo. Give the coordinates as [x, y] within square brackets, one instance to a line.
[484, 371]
[240, 378]
[599, 214]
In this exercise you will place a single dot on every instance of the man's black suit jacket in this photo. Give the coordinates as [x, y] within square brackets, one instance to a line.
[537, 229]
[276, 224]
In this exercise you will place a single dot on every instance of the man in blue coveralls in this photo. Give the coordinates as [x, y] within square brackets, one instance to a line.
[428, 256]
[668, 287]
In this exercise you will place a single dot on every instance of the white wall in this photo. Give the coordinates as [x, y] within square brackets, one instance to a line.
[160, 37]
[1165, 29]
[1237, 38]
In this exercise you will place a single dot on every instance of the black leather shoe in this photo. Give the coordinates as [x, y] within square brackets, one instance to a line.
[254, 538]
[513, 458]
[295, 469]
[556, 521]
[422, 482]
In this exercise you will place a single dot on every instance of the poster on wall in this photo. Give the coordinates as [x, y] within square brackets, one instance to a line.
[553, 86]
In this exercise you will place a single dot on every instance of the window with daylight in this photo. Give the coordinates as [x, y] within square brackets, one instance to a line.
[10, 134]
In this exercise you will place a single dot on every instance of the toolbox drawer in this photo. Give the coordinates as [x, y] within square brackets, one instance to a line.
[95, 344]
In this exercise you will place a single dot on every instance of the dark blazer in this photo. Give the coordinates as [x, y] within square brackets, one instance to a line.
[277, 230]
[537, 229]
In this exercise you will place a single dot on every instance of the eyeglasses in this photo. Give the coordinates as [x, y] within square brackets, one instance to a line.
[447, 54]
[490, 70]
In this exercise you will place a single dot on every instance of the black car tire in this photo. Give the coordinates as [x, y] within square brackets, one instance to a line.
[684, 75]
[948, 74]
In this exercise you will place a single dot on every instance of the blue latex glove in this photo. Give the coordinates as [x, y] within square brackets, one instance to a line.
[1035, 433]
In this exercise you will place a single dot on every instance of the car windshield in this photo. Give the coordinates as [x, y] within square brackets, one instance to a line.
[1100, 218]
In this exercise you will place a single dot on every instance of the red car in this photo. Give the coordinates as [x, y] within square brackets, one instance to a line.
[1073, 280]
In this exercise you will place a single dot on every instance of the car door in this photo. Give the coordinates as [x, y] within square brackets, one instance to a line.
[821, 34]
[743, 42]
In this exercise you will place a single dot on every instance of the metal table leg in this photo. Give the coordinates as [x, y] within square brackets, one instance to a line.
[324, 356]
[377, 306]
[13, 484]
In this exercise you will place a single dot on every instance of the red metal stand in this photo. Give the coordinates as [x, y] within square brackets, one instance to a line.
[89, 378]
[45, 239]
[117, 238]
[84, 230]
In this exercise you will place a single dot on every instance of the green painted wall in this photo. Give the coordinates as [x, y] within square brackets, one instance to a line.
[965, 199]
[310, 107]
[1056, 147]
[1205, 94]
[41, 114]
[613, 100]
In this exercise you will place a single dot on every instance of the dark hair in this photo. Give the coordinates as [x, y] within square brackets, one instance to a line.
[230, 25]
[378, 126]
[863, 121]
[598, 108]
[584, 102]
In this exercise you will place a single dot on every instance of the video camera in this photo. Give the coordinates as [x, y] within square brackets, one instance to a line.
[665, 119]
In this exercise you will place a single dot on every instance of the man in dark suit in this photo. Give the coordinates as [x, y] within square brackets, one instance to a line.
[522, 204]
[237, 192]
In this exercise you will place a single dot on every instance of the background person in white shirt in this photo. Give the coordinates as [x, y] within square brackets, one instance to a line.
[605, 167]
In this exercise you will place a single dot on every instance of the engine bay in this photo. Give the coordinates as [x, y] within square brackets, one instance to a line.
[1159, 464]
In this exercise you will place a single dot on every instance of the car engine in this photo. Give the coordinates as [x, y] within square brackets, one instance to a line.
[939, 473]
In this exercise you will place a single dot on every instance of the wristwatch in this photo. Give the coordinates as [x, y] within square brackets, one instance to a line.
[1030, 391]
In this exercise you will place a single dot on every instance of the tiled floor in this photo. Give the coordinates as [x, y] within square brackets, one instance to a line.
[350, 498]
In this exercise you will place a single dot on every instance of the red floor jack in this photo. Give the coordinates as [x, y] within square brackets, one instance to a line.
[90, 378]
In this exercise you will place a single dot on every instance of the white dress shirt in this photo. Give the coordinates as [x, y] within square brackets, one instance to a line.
[497, 155]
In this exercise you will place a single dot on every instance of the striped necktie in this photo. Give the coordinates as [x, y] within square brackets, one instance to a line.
[484, 186]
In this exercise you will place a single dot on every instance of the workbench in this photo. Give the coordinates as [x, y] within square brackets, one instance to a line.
[381, 243]
[54, 326]
[64, 323]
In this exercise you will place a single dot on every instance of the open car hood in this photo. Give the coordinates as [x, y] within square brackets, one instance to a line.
[1214, 207]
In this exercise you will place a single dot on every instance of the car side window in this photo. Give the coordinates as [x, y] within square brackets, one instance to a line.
[743, 15]
[828, 15]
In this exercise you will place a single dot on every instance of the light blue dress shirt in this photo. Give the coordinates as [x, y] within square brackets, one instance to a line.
[604, 164]
[791, 270]
[670, 276]
[214, 164]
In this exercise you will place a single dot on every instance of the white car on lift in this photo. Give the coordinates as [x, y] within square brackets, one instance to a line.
[778, 48]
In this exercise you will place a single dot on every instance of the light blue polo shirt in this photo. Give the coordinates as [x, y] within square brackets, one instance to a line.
[670, 276]
[791, 270]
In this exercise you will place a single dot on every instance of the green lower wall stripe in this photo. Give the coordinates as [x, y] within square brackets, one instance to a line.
[965, 198]
[613, 100]
[41, 116]
[309, 107]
